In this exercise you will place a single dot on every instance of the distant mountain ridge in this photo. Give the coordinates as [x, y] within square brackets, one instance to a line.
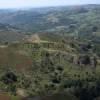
[73, 20]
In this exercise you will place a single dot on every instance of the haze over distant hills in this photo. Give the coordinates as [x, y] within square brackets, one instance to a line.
[51, 19]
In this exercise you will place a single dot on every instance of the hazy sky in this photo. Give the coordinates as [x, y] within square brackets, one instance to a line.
[39, 3]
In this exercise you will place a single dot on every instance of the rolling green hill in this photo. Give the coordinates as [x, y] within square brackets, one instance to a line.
[9, 33]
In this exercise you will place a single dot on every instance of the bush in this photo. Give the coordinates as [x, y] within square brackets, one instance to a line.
[9, 77]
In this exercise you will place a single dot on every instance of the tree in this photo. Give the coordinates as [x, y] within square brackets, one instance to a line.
[9, 77]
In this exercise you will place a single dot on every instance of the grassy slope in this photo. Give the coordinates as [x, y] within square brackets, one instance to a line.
[19, 57]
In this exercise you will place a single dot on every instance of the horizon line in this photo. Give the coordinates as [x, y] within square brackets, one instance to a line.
[30, 7]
